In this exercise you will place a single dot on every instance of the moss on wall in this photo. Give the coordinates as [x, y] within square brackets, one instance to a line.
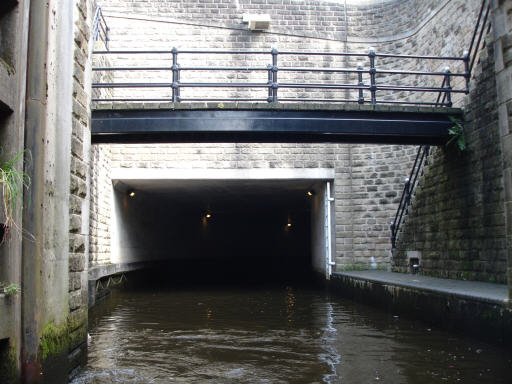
[54, 341]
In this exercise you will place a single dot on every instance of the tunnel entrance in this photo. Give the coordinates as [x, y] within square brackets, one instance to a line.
[218, 229]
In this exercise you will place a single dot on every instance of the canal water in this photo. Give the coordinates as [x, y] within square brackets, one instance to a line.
[278, 333]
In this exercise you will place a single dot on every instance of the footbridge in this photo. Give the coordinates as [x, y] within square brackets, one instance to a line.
[275, 96]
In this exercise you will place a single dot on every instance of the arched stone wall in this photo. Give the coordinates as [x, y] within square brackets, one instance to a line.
[369, 178]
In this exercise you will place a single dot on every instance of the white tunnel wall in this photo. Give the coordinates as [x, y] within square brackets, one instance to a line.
[131, 241]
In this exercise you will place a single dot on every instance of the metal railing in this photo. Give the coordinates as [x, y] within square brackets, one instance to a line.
[423, 151]
[410, 184]
[100, 29]
[365, 84]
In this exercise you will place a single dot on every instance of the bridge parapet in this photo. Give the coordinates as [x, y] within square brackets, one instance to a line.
[282, 76]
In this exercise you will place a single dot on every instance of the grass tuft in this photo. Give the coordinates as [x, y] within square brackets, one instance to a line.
[12, 182]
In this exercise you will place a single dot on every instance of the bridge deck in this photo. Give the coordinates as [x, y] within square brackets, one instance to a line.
[263, 122]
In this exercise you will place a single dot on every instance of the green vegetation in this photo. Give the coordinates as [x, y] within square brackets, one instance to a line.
[12, 182]
[457, 135]
[10, 69]
[54, 341]
[10, 289]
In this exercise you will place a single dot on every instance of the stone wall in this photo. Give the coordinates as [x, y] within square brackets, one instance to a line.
[80, 181]
[369, 178]
[457, 219]
[56, 212]
[367, 185]
[101, 202]
[502, 23]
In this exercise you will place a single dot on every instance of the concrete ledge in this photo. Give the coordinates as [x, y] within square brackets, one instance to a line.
[100, 271]
[475, 308]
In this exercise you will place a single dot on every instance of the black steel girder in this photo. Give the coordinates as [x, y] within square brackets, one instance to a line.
[306, 126]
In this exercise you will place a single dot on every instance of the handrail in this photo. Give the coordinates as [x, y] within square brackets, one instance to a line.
[100, 29]
[423, 151]
[479, 29]
[366, 81]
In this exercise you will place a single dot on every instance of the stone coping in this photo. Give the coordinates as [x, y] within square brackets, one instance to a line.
[345, 107]
[472, 290]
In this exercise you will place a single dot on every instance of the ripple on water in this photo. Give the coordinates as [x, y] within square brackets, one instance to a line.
[281, 335]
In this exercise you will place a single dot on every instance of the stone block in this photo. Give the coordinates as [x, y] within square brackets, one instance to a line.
[75, 281]
[75, 300]
[76, 262]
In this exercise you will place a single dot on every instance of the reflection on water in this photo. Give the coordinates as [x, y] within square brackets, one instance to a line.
[280, 334]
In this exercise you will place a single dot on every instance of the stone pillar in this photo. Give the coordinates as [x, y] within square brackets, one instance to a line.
[502, 24]
[48, 326]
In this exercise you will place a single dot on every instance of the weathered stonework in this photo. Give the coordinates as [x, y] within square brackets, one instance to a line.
[79, 185]
[457, 221]
[101, 198]
[369, 178]
[502, 22]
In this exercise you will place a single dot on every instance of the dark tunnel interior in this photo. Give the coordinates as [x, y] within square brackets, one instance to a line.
[218, 231]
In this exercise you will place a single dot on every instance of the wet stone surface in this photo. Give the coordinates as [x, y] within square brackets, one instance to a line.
[273, 334]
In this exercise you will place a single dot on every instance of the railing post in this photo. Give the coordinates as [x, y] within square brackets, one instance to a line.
[448, 87]
[465, 57]
[178, 77]
[175, 76]
[274, 74]
[373, 87]
[360, 83]
[270, 90]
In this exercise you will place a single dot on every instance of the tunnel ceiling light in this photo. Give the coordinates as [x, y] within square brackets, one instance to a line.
[289, 225]
[131, 193]
[208, 215]
[310, 193]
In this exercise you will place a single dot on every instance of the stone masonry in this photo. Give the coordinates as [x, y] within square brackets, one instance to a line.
[369, 178]
[456, 220]
[79, 184]
[502, 21]
[460, 220]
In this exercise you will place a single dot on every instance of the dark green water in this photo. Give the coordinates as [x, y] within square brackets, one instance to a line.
[274, 334]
